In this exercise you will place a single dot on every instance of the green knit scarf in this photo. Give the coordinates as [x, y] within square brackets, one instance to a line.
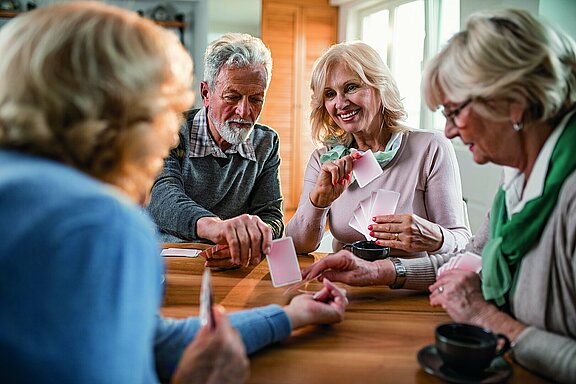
[511, 239]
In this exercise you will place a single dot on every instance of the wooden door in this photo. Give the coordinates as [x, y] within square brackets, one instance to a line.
[297, 33]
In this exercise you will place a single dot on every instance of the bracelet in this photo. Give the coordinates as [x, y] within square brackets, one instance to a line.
[401, 273]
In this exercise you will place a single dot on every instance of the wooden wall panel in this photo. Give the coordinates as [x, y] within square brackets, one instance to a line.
[277, 112]
[297, 32]
[319, 27]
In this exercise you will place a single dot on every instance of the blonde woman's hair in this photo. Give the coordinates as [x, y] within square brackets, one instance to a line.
[85, 84]
[363, 60]
[510, 55]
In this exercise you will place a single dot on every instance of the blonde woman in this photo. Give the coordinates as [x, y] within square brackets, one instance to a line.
[356, 106]
[90, 103]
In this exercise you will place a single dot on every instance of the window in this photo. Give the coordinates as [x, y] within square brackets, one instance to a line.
[406, 33]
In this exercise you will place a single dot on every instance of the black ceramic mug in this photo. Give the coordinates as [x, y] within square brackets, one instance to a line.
[368, 250]
[468, 349]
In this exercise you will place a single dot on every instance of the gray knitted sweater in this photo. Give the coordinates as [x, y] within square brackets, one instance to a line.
[193, 187]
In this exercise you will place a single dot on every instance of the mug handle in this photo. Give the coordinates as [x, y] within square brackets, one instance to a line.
[504, 347]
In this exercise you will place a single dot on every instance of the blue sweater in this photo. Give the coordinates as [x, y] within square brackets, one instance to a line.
[80, 284]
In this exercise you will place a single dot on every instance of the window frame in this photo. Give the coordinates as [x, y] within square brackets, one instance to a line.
[357, 10]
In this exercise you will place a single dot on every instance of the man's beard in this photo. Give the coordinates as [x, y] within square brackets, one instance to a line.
[233, 135]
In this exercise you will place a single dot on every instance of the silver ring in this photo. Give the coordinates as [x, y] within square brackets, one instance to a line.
[397, 236]
[441, 289]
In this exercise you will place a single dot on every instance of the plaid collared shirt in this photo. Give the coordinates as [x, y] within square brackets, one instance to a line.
[202, 144]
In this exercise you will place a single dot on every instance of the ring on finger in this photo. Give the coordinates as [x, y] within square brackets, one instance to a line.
[397, 235]
[441, 289]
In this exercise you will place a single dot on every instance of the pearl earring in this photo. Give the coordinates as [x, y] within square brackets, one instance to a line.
[518, 126]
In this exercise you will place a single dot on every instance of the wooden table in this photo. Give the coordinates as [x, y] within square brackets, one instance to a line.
[377, 342]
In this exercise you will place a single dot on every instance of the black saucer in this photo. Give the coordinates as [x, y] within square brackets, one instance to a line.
[431, 362]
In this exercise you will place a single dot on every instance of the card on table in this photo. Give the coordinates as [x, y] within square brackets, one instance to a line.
[180, 252]
[366, 168]
[283, 263]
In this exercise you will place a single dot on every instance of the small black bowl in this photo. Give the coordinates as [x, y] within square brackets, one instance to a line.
[368, 250]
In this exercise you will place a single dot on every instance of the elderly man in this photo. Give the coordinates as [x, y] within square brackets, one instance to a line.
[221, 183]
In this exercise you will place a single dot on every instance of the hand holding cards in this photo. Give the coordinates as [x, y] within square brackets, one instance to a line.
[381, 202]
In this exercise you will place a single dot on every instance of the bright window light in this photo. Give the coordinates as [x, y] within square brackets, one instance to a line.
[397, 30]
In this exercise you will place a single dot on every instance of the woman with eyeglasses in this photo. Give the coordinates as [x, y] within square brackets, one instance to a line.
[507, 84]
[357, 107]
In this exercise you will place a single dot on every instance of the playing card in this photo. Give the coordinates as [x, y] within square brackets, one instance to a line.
[384, 203]
[210, 252]
[365, 208]
[362, 224]
[180, 252]
[206, 315]
[354, 224]
[366, 168]
[467, 261]
[283, 262]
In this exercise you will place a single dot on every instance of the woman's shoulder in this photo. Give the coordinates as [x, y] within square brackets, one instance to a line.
[67, 204]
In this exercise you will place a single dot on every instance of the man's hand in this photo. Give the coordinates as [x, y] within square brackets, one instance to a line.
[248, 238]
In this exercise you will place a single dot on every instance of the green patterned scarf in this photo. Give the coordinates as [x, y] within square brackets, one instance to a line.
[511, 239]
[338, 151]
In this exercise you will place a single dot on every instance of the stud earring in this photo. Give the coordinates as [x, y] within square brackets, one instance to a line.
[518, 126]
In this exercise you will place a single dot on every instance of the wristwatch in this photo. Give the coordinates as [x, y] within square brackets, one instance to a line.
[400, 273]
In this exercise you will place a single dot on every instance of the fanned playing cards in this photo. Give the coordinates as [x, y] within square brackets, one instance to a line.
[380, 202]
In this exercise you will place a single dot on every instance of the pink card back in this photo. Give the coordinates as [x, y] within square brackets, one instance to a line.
[469, 262]
[366, 168]
[283, 263]
[385, 203]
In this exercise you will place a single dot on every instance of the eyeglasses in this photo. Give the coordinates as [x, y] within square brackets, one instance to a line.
[451, 115]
